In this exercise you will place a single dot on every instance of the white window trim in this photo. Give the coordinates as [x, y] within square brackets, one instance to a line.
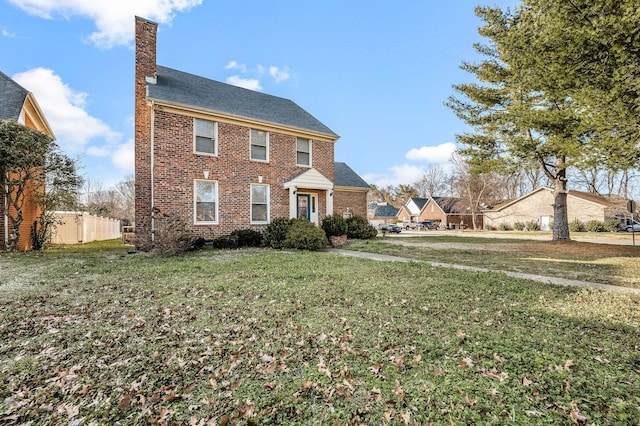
[215, 138]
[259, 222]
[251, 144]
[195, 203]
[310, 154]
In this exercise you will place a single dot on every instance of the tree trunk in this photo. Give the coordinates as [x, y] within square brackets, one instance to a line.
[560, 215]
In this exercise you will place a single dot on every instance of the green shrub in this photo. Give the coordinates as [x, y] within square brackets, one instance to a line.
[334, 225]
[359, 229]
[247, 237]
[594, 226]
[504, 227]
[225, 242]
[276, 232]
[611, 225]
[304, 235]
[198, 243]
[576, 226]
[488, 227]
[532, 225]
[519, 226]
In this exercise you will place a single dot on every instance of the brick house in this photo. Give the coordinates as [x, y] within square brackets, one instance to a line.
[450, 213]
[228, 158]
[18, 104]
[411, 209]
[538, 206]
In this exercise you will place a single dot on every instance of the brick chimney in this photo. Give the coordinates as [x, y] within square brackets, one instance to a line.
[145, 72]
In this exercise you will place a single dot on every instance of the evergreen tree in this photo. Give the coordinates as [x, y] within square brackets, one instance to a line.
[531, 103]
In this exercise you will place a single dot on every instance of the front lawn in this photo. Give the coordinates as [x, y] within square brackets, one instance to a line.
[599, 263]
[99, 336]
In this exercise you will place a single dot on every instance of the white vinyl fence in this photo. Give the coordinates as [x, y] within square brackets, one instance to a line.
[82, 227]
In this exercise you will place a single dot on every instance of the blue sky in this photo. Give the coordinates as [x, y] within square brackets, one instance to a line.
[377, 73]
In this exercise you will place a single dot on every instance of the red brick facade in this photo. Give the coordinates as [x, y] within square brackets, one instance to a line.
[167, 168]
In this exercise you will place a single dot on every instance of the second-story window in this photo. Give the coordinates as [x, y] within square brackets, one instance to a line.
[303, 152]
[205, 137]
[259, 145]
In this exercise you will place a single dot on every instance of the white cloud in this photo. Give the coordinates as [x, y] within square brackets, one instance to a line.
[123, 156]
[247, 83]
[98, 151]
[6, 33]
[234, 65]
[405, 174]
[439, 154]
[64, 109]
[278, 74]
[113, 19]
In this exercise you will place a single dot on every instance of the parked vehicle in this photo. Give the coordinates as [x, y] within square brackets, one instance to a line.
[390, 227]
[429, 224]
[631, 228]
[408, 224]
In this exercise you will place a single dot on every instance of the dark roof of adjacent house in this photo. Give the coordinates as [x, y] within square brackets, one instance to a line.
[420, 202]
[386, 210]
[12, 97]
[186, 89]
[450, 205]
[345, 176]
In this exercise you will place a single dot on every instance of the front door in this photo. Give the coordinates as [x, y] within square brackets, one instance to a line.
[307, 207]
[304, 207]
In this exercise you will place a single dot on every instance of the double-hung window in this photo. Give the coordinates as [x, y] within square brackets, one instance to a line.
[205, 201]
[205, 139]
[259, 145]
[303, 152]
[259, 204]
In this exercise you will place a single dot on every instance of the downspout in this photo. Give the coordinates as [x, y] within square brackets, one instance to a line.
[153, 137]
[6, 211]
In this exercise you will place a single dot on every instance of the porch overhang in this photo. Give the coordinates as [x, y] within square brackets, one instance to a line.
[309, 180]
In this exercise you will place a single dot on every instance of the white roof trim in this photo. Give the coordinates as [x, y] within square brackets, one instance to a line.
[311, 179]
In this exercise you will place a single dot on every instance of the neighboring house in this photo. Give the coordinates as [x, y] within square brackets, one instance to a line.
[411, 209]
[350, 192]
[538, 206]
[384, 213]
[228, 158]
[449, 213]
[18, 104]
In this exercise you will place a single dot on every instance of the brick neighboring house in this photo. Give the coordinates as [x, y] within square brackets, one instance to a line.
[449, 213]
[228, 158]
[411, 209]
[20, 105]
[538, 206]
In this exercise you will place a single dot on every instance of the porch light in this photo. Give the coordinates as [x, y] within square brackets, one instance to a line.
[206, 174]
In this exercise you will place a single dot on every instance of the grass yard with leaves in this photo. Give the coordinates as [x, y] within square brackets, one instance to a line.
[93, 335]
[585, 261]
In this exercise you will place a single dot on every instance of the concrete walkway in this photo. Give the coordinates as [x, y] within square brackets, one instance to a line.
[539, 278]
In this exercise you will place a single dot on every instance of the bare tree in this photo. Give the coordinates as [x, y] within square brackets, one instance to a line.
[434, 182]
[475, 189]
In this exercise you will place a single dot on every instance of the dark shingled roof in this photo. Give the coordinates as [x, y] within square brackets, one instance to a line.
[12, 97]
[420, 202]
[345, 176]
[186, 89]
[450, 204]
[386, 210]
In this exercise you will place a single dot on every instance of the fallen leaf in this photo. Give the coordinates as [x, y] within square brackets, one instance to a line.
[526, 382]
